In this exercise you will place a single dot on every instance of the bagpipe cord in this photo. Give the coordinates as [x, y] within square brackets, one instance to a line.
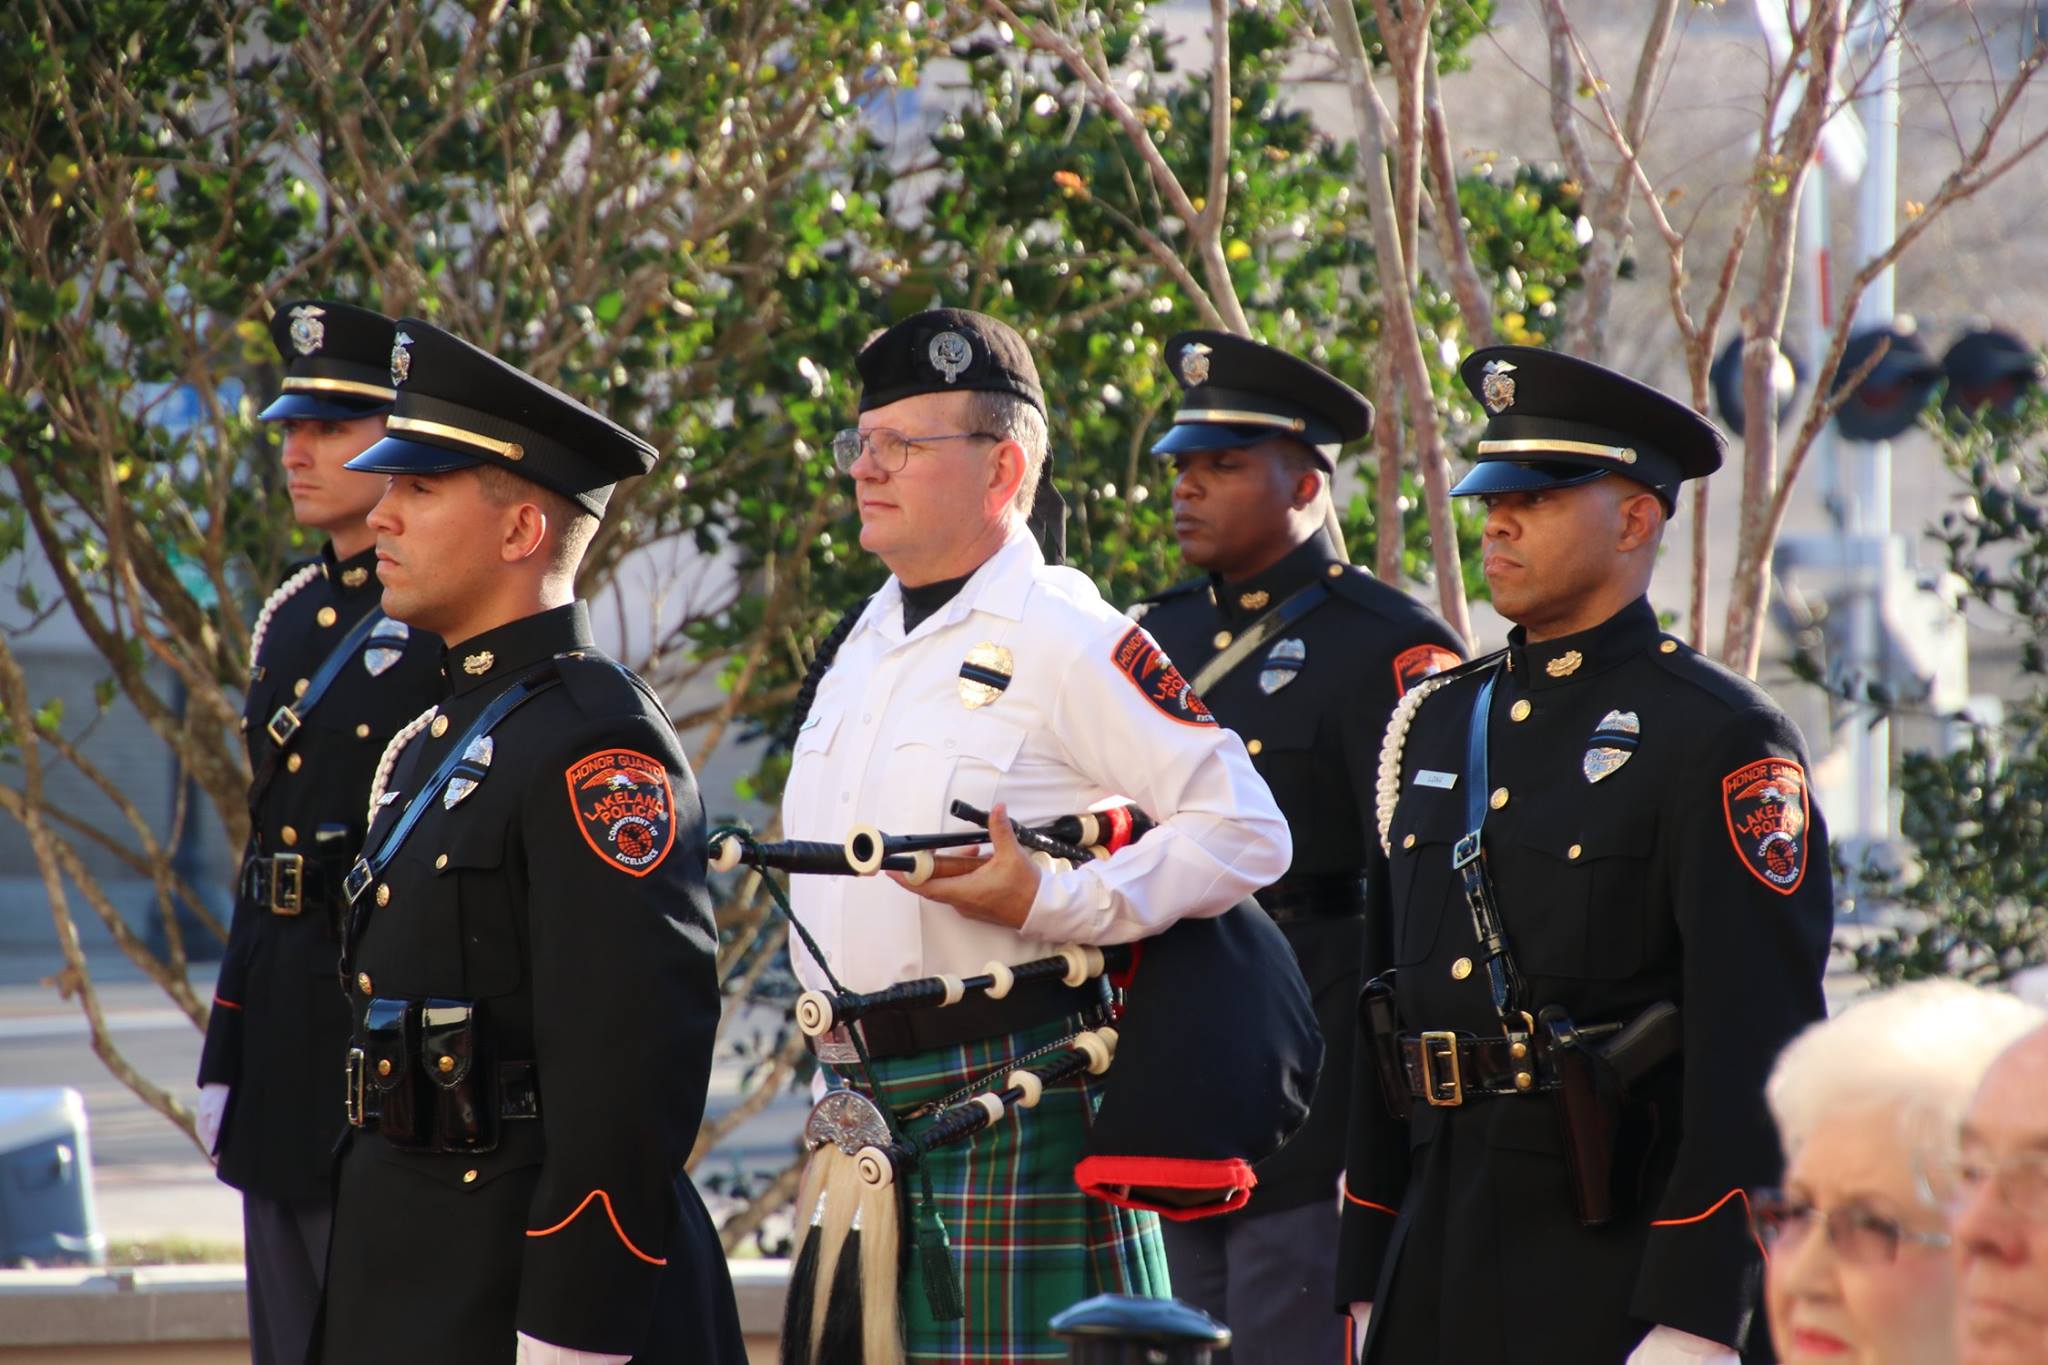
[935, 1258]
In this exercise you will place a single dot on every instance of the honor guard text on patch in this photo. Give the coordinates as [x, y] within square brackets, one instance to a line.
[1417, 662]
[1766, 808]
[1153, 674]
[1613, 743]
[1282, 665]
[985, 674]
[625, 808]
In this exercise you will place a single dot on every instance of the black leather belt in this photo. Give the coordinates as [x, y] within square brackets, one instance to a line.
[908, 1033]
[1333, 896]
[1445, 1069]
[286, 883]
[518, 1091]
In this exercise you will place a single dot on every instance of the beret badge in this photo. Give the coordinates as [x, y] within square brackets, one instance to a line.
[950, 353]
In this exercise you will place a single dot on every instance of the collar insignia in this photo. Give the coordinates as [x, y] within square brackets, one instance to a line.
[478, 664]
[985, 674]
[950, 353]
[308, 333]
[1613, 743]
[1496, 389]
[354, 578]
[1565, 664]
[1254, 601]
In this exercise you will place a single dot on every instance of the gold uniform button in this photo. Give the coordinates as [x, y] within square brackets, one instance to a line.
[363, 983]
[446, 1064]
[1408, 841]
[1254, 747]
[1523, 1080]
[363, 731]
[1574, 851]
[1499, 798]
[469, 1176]
[325, 616]
[384, 1066]
[1520, 710]
[439, 727]
[299, 687]
[1335, 571]
[294, 763]
[384, 893]
[1518, 1050]
[1461, 969]
[440, 862]
[1222, 639]
[289, 835]
[1669, 647]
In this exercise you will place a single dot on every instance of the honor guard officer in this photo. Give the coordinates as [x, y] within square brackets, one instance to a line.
[331, 679]
[530, 951]
[1610, 907]
[979, 673]
[1304, 656]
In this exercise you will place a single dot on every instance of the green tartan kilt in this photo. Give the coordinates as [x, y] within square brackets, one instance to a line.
[1026, 1241]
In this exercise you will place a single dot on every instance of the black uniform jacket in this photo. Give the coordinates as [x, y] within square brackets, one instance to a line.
[561, 890]
[1693, 870]
[1311, 706]
[278, 1029]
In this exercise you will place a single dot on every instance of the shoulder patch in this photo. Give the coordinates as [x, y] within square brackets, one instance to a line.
[624, 807]
[1766, 808]
[1153, 674]
[1417, 662]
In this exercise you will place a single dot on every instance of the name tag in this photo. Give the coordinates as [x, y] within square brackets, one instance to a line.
[1430, 777]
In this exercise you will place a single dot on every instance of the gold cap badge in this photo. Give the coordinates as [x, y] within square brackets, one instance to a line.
[308, 333]
[1496, 390]
[401, 359]
[1194, 363]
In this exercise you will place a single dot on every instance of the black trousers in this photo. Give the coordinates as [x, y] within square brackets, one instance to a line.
[1267, 1277]
[285, 1250]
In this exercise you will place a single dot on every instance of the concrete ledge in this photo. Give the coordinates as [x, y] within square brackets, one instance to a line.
[172, 1315]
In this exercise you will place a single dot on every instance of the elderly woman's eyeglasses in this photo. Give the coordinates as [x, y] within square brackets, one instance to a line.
[1859, 1234]
[890, 449]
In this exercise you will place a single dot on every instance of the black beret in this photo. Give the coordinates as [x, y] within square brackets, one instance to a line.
[1217, 1057]
[334, 356]
[947, 350]
[459, 406]
[1238, 392]
[1554, 420]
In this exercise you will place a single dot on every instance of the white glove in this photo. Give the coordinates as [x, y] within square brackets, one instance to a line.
[1361, 1313]
[1669, 1346]
[534, 1351]
[213, 1106]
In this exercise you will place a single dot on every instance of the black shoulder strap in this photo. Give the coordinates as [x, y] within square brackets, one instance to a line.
[1285, 613]
[285, 723]
[1468, 859]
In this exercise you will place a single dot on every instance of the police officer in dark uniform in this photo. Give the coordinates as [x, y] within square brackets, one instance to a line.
[331, 679]
[530, 952]
[1610, 907]
[1304, 656]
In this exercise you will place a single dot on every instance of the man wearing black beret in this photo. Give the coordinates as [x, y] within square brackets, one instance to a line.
[1304, 656]
[331, 678]
[1609, 908]
[980, 673]
[530, 954]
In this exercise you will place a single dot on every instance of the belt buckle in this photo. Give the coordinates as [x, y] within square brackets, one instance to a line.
[1430, 1084]
[352, 1098]
[282, 726]
[358, 880]
[287, 883]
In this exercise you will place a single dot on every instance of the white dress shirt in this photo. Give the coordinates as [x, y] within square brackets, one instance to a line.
[889, 742]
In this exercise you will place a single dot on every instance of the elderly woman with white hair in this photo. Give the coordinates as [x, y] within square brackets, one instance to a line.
[1868, 1104]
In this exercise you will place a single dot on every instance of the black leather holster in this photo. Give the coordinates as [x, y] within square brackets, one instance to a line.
[1382, 1020]
[424, 1074]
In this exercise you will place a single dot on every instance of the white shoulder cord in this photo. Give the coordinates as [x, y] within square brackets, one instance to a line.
[1388, 791]
[389, 760]
[281, 595]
